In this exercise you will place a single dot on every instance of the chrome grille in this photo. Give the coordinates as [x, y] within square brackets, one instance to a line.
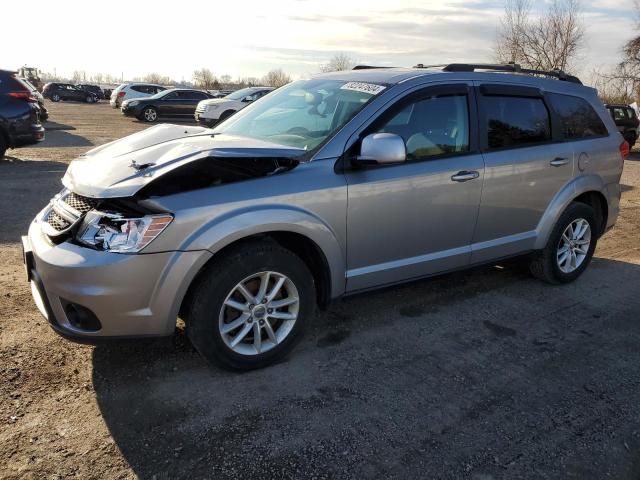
[57, 222]
[66, 209]
[80, 203]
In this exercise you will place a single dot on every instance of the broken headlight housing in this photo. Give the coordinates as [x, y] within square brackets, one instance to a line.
[113, 232]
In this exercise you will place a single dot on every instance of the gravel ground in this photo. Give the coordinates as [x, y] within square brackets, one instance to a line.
[485, 374]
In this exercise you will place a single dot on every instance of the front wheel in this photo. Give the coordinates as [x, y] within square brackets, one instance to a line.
[150, 114]
[55, 97]
[251, 306]
[570, 246]
[89, 99]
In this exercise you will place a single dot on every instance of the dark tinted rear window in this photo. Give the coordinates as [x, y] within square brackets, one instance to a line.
[9, 83]
[515, 121]
[577, 117]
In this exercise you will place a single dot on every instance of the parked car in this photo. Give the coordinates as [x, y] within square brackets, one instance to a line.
[331, 186]
[176, 102]
[44, 113]
[210, 112]
[19, 113]
[129, 91]
[220, 93]
[626, 120]
[65, 91]
[93, 89]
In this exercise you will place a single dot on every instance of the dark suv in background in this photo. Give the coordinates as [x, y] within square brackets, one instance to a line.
[19, 113]
[626, 120]
[93, 89]
[65, 91]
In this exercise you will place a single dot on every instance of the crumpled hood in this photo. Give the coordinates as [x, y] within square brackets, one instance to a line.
[122, 167]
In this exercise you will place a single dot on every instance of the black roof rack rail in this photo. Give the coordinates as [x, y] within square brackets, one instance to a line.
[508, 67]
[366, 67]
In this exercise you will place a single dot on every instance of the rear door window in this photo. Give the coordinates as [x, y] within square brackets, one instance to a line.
[578, 119]
[515, 121]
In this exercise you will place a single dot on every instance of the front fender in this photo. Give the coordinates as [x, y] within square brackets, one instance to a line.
[578, 186]
[236, 225]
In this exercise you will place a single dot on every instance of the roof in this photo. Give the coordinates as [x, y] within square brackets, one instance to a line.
[392, 76]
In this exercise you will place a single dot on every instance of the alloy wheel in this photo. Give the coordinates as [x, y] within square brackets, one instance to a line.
[150, 115]
[573, 246]
[259, 313]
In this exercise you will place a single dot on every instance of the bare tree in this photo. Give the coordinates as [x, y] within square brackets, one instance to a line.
[204, 78]
[551, 40]
[155, 77]
[77, 76]
[97, 77]
[616, 85]
[337, 63]
[276, 78]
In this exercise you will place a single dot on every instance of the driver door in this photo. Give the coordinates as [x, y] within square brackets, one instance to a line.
[416, 218]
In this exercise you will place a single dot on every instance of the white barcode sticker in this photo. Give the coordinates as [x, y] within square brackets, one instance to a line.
[370, 88]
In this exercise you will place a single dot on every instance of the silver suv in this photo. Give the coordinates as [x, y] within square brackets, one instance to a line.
[326, 187]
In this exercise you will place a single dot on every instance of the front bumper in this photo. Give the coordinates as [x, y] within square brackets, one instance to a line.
[207, 118]
[131, 295]
[128, 111]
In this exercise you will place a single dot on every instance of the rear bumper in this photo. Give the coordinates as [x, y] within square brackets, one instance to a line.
[128, 295]
[35, 134]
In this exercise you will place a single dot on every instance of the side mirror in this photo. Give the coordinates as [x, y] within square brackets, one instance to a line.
[382, 148]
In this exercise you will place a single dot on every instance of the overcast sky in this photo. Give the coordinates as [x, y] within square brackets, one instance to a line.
[248, 38]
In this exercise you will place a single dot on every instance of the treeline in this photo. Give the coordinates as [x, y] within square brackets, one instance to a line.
[202, 78]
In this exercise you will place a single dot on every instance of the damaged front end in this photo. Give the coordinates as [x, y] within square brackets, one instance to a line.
[127, 225]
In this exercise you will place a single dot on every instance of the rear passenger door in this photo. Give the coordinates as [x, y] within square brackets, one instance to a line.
[526, 164]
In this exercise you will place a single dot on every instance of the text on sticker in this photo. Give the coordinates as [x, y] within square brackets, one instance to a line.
[371, 88]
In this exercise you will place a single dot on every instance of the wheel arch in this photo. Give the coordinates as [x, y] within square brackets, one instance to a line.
[305, 235]
[588, 189]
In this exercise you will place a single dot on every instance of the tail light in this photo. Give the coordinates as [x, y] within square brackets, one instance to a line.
[23, 95]
[121, 94]
[625, 150]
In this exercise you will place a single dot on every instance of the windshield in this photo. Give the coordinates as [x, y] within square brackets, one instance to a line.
[302, 114]
[161, 94]
[240, 94]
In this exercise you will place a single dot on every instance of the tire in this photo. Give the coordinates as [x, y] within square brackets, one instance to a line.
[208, 312]
[547, 264]
[55, 97]
[89, 99]
[149, 114]
[225, 115]
[631, 138]
[3, 146]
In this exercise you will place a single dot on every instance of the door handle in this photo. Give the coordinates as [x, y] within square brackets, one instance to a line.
[465, 176]
[559, 161]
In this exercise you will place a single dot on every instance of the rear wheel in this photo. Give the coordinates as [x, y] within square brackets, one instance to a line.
[150, 114]
[631, 138]
[252, 306]
[570, 246]
[89, 99]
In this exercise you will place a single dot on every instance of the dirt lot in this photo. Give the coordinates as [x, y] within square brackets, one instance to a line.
[486, 374]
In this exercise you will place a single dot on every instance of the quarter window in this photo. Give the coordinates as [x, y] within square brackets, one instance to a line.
[515, 121]
[433, 126]
[577, 117]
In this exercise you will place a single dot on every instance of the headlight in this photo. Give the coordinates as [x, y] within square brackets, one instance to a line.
[132, 103]
[115, 233]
